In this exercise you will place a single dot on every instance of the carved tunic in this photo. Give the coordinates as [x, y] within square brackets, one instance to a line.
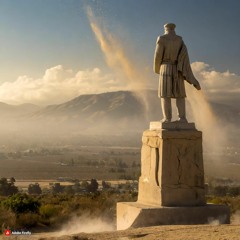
[171, 83]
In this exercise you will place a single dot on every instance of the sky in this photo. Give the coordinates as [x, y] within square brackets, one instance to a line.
[53, 50]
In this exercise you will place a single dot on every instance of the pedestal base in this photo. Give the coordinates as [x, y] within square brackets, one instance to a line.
[134, 214]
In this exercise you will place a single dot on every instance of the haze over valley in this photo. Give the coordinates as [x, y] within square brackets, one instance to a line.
[113, 113]
[97, 128]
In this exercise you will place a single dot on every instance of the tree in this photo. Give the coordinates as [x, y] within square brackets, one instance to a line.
[84, 184]
[12, 180]
[3, 180]
[57, 188]
[93, 186]
[7, 188]
[34, 189]
[105, 185]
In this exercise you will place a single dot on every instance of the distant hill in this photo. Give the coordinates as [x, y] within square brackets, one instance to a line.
[113, 105]
[105, 112]
[121, 105]
[7, 110]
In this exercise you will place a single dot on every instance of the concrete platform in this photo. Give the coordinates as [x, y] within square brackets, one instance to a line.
[134, 214]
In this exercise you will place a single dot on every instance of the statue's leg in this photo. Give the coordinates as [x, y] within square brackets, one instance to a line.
[180, 102]
[166, 109]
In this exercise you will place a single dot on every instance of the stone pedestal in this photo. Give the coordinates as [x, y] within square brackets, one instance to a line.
[171, 186]
[172, 168]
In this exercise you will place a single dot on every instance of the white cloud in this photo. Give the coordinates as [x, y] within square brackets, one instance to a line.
[58, 85]
[216, 82]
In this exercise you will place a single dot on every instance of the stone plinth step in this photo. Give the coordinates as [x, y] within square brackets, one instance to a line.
[135, 214]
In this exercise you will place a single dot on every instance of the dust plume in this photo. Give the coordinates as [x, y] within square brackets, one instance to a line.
[217, 221]
[236, 218]
[214, 134]
[117, 59]
[86, 224]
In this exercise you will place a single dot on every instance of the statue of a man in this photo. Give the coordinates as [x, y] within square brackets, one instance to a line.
[171, 62]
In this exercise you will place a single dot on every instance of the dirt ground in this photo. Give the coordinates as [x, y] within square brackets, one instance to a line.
[183, 232]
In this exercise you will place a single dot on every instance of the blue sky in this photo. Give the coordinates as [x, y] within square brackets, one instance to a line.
[37, 35]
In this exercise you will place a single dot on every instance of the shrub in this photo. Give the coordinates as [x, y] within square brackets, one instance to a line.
[7, 219]
[22, 203]
[27, 220]
[49, 210]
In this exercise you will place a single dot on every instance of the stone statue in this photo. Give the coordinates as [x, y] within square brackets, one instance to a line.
[171, 188]
[171, 62]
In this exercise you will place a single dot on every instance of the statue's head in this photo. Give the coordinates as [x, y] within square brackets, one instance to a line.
[169, 27]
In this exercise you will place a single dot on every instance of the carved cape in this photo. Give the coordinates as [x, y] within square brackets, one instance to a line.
[184, 67]
[171, 62]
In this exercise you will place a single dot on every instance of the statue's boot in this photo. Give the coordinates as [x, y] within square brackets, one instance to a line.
[181, 108]
[166, 110]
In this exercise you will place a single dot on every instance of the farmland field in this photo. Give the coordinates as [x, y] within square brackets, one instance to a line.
[82, 163]
[86, 162]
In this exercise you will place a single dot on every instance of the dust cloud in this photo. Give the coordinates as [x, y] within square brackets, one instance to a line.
[235, 219]
[215, 222]
[214, 133]
[86, 224]
[117, 60]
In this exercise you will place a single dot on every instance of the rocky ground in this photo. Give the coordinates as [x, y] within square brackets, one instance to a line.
[183, 232]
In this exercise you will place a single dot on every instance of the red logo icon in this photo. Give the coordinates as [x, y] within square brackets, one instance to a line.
[7, 232]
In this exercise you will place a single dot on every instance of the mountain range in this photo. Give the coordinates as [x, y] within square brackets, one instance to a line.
[122, 110]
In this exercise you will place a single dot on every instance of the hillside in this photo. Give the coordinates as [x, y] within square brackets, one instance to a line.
[123, 105]
[112, 105]
[107, 106]
[106, 111]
